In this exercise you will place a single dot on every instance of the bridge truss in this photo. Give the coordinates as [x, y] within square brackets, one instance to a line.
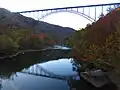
[38, 70]
[90, 12]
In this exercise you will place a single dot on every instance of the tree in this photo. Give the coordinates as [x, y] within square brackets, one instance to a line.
[77, 35]
[7, 45]
[88, 25]
[101, 15]
[110, 9]
[14, 40]
[106, 55]
[17, 34]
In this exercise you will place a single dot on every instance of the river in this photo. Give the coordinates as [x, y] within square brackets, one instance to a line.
[55, 61]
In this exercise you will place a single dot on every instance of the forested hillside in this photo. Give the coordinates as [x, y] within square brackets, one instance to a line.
[16, 21]
[100, 42]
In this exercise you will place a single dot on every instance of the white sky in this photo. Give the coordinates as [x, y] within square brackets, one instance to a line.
[63, 19]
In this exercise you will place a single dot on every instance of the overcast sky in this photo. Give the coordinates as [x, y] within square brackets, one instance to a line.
[63, 19]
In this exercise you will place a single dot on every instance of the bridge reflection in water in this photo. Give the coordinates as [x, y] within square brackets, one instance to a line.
[38, 70]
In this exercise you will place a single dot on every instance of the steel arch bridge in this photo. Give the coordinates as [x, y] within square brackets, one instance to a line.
[70, 11]
[79, 10]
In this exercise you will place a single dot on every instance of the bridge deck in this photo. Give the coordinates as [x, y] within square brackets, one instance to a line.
[70, 7]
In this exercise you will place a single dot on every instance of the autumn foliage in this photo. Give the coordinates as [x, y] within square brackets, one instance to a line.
[100, 30]
[13, 40]
[100, 42]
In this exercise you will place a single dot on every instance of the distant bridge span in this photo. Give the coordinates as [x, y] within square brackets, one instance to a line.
[70, 11]
[79, 10]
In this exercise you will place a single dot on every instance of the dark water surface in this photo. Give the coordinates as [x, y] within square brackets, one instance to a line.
[55, 61]
[23, 81]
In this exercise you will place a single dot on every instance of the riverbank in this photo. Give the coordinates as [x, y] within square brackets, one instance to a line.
[33, 50]
[20, 52]
[113, 78]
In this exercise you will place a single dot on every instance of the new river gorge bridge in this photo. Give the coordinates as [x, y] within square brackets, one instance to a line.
[38, 70]
[90, 12]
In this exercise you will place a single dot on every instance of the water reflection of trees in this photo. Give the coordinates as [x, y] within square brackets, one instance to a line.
[9, 67]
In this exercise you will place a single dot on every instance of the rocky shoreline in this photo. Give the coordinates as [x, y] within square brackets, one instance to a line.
[20, 52]
[30, 50]
[89, 74]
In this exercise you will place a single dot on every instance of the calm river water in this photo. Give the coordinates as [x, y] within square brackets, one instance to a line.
[55, 61]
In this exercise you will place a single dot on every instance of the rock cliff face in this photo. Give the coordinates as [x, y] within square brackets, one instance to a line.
[12, 20]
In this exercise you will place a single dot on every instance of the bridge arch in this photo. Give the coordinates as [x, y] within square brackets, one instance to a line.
[69, 11]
